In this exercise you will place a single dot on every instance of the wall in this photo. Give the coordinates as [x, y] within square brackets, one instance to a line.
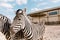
[49, 19]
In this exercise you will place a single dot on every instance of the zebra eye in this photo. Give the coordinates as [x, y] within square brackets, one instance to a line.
[19, 19]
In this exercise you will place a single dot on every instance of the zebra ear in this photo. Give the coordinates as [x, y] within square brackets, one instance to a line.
[24, 10]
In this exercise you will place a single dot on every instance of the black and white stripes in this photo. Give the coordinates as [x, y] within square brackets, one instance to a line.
[5, 25]
[3, 18]
[18, 24]
[28, 32]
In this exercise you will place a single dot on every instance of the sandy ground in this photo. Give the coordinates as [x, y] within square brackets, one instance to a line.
[52, 32]
[2, 37]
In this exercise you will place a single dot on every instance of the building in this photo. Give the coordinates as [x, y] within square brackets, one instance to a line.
[50, 16]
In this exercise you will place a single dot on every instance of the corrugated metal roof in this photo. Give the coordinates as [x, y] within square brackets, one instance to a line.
[45, 10]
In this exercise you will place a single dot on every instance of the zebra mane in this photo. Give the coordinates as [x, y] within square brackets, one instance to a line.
[26, 17]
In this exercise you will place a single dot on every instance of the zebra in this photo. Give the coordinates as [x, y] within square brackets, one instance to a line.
[23, 29]
[5, 26]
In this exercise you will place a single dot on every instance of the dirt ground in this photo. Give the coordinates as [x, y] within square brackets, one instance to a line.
[52, 32]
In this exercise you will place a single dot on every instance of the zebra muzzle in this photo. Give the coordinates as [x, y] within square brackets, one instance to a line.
[16, 28]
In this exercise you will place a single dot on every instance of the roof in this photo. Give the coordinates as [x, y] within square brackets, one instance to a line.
[40, 12]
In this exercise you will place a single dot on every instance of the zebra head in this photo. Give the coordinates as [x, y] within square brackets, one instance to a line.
[18, 22]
